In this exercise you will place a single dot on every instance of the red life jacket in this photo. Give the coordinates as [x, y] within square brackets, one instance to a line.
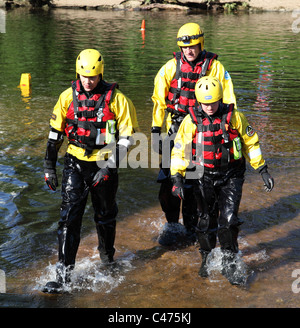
[181, 95]
[216, 140]
[86, 117]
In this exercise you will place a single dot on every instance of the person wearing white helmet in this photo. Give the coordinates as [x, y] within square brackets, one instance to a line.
[173, 93]
[97, 119]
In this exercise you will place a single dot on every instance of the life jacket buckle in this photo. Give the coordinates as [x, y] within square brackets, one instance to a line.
[100, 114]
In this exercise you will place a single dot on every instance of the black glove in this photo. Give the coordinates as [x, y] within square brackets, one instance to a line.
[156, 139]
[54, 143]
[51, 178]
[177, 189]
[102, 176]
[267, 178]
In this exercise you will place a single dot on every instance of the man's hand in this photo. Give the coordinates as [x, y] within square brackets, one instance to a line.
[101, 176]
[177, 189]
[267, 178]
[51, 178]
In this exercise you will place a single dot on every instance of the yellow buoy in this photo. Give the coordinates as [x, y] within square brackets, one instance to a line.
[25, 80]
[25, 86]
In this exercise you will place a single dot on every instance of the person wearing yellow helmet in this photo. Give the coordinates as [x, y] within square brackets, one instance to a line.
[98, 121]
[190, 34]
[173, 93]
[90, 63]
[214, 141]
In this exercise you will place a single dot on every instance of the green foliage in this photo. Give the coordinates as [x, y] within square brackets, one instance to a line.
[230, 6]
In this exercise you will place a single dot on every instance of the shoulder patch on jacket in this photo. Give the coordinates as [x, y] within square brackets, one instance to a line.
[227, 76]
[250, 131]
[53, 117]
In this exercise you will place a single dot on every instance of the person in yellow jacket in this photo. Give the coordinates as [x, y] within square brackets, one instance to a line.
[173, 93]
[98, 121]
[211, 147]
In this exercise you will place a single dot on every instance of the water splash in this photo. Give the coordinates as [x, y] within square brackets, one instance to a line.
[91, 274]
[215, 265]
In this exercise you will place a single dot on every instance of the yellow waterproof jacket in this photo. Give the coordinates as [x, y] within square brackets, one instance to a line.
[162, 83]
[120, 105]
[181, 153]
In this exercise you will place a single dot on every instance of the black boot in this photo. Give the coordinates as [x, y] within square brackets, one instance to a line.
[52, 287]
[106, 258]
[203, 271]
[173, 233]
[63, 279]
[207, 241]
[190, 223]
[68, 242]
[106, 237]
[232, 268]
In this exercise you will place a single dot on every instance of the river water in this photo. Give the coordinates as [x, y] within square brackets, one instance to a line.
[261, 53]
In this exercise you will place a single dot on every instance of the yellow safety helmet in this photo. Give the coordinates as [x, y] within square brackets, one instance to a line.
[89, 63]
[190, 34]
[208, 90]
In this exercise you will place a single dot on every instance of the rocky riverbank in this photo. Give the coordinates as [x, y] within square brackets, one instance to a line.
[156, 5]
